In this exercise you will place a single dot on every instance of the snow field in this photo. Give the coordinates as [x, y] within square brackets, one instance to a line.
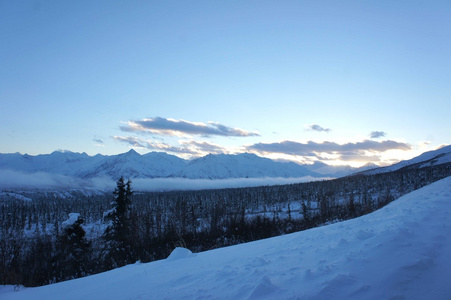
[401, 251]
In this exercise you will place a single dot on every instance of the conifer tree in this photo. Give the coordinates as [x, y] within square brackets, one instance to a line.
[72, 250]
[118, 251]
[351, 206]
[306, 215]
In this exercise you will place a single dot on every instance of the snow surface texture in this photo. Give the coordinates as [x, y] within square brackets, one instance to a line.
[73, 217]
[399, 252]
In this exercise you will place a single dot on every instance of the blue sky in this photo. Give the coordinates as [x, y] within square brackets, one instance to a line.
[336, 81]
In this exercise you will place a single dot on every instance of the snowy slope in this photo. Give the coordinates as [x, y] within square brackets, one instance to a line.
[161, 165]
[399, 252]
[337, 171]
[129, 164]
[152, 165]
[56, 162]
[243, 165]
[430, 158]
[133, 165]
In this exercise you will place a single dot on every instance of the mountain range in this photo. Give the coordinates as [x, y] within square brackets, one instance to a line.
[213, 166]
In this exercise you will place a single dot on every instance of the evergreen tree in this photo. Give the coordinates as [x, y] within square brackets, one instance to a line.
[38, 262]
[306, 215]
[72, 250]
[118, 251]
[351, 206]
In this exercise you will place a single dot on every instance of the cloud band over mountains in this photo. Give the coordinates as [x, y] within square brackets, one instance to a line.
[172, 127]
[187, 147]
[162, 131]
[313, 149]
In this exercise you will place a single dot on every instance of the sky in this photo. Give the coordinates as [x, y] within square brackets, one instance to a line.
[342, 82]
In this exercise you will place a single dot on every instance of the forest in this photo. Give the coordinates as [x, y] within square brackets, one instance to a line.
[40, 243]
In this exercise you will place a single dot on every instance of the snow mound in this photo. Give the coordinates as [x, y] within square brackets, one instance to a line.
[265, 289]
[179, 253]
[73, 217]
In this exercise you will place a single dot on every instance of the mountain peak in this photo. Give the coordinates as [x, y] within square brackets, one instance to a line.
[59, 152]
[132, 152]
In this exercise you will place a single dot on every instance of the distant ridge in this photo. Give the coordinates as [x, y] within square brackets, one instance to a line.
[430, 158]
[245, 165]
[153, 165]
[213, 166]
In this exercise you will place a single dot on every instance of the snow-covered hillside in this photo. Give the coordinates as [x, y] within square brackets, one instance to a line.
[80, 165]
[133, 165]
[245, 165]
[153, 165]
[399, 252]
[337, 171]
[430, 158]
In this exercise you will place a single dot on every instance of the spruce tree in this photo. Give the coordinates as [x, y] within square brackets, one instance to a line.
[351, 206]
[73, 250]
[306, 215]
[118, 251]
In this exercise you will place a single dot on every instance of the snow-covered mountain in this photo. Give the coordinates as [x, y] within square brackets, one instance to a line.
[133, 165]
[244, 165]
[129, 164]
[398, 252]
[219, 166]
[56, 162]
[430, 158]
[337, 171]
[153, 165]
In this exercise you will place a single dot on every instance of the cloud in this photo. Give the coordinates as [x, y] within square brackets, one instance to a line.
[377, 134]
[163, 126]
[168, 184]
[359, 157]
[55, 182]
[190, 148]
[154, 146]
[204, 147]
[98, 141]
[44, 180]
[316, 127]
[131, 140]
[314, 149]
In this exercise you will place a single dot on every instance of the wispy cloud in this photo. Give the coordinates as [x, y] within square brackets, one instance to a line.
[187, 147]
[203, 147]
[98, 142]
[377, 134]
[15, 179]
[163, 126]
[316, 127]
[51, 180]
[315, 149]
[131, 140]
[359, 156]
[167, 184]
[154, 146]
